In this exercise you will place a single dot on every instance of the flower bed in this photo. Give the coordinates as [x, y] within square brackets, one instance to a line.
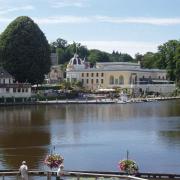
[53, 160]
[128, 166]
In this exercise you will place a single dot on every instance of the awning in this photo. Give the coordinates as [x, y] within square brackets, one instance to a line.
[105, 90]
[161, 81]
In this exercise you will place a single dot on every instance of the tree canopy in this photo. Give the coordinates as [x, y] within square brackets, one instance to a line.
[66, 51]
[24, 51]
[167, 57]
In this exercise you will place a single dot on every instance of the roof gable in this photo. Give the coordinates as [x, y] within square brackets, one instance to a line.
[4, 73]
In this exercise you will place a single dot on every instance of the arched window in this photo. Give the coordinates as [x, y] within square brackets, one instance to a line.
[121, 80]
[111, 80]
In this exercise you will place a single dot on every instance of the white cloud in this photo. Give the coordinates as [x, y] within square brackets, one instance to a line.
[95, 19]
[139, 20]
[13, 9]
[106, 19]
[67, 3]
[62, 19]
[130, 47]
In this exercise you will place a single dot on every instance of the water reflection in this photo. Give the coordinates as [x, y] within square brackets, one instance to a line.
[171, 137]
[22, 136]
[87, 134]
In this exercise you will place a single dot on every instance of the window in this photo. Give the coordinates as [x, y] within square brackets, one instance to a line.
[111, 80]
[116, 81]
[7, 89]
[14, 89]
[87, 81]
[19, 90]
[97, 74]
[87, 74]
[121, 80]
[82, 75]
[82, 81]
[102, 81]
[102, 74]
[92, 81]
[92, 74]
[97, 80]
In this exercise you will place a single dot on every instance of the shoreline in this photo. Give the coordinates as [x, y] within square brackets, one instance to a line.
[108, 101]
[94, 101]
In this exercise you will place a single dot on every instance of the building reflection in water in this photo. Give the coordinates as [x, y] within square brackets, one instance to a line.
[28, 132]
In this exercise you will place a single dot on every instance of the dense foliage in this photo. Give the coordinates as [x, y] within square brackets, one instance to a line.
[24, 51]
[167, 57]
[66, 51]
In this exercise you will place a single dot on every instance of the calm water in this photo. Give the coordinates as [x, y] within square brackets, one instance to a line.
[92, 137]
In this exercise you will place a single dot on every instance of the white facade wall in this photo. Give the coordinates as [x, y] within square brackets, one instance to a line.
[11, 93]
[134, 77]
[10, 89]
[161, 88]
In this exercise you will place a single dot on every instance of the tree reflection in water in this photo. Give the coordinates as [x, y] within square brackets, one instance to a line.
[21, 136]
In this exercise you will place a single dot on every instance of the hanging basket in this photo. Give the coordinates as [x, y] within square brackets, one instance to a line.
[128, 166]
[53, 160]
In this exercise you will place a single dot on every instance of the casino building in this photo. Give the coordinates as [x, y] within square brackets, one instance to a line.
[124, 75]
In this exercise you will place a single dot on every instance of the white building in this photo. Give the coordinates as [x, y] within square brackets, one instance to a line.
[123, 75]
[10, 89]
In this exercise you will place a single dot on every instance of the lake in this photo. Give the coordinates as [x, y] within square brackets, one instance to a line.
[92, 136]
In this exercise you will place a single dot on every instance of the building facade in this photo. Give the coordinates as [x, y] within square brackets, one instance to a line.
[56, 75]
[124, 75]
[8, 88]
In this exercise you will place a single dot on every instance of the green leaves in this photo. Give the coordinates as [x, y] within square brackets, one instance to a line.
[24, 51]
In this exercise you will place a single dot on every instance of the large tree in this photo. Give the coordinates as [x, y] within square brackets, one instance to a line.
[167, 53]
[24, 51]
[177, 59]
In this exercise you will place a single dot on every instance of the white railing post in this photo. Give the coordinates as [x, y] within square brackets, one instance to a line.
[49, 176]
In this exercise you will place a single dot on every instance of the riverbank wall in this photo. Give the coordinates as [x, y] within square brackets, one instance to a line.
[95, 101]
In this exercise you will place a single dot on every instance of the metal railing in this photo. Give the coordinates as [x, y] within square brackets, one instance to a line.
[94, 175]
[73, 174]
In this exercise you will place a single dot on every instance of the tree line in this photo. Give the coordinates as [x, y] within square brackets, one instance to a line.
[66, 51]
[167, 57]
[25, 53]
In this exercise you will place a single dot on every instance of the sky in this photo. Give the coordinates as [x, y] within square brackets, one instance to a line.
[127, 26]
